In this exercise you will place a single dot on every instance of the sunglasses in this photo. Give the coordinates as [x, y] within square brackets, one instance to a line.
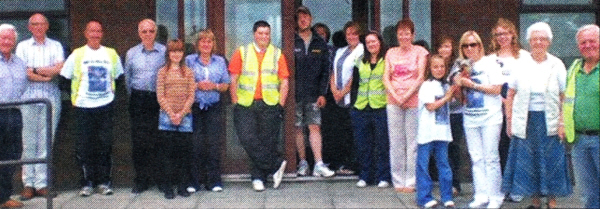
[472, 45]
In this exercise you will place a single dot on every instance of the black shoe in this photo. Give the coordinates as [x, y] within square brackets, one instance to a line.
[138, 189]
[169, 195]
[183, 192]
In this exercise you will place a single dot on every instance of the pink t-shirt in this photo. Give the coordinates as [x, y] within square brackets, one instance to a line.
[402, 68]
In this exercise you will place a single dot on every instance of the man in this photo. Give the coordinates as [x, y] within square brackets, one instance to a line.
[581, 113]
[259, 86]
[93, 69]
[312, 64]
[44, 58]
[13, 81]
[141, 66]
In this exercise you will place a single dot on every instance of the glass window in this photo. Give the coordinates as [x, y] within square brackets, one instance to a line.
[564, 27]
[195, 19]
[391, 12]
[240, 16]
[166, 19]
[334, 18]
[32, 5]
[420, 14]
[557, 2]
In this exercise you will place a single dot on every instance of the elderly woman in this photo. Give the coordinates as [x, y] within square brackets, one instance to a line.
[537, 164]
[404, 74]
[482, 82]
[211, 78]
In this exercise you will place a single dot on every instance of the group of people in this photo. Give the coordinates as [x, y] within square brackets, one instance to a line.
[389, 108]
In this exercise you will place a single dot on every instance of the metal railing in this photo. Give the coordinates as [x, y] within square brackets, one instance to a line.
[48, 159]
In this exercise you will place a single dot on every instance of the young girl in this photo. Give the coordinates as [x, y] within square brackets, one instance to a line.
[434, 134]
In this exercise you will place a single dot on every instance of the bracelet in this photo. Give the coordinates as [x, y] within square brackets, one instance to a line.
[35, 71]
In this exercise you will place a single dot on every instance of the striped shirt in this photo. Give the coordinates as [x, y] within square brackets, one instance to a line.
[175, 90]
[37, 55]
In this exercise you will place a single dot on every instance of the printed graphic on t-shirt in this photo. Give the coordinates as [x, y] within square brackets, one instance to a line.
[401, 71]
[98, 78]
[474, 98]
[441, 114]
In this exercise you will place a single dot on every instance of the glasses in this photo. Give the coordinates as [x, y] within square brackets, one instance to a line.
[501, 34]
[148, 31]
[472, 45]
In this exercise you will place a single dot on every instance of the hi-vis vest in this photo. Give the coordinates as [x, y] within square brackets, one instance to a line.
[249, 76]
[371, 89]
[569, 103]
[521, 107]
[77, 73]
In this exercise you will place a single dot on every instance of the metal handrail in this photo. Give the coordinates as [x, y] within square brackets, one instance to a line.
[48, 159]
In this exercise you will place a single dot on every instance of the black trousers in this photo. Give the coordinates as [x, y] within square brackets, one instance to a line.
[143, 112]
[174, 153]
[11, 125]
[258, 128]
[94, 134]
[338, 138]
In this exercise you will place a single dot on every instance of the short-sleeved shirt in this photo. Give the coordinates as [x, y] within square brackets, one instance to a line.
[37, 55]
[587, 99]
[13, 78]
[236, 65]
[511, 65]
[215, 72]
[433, 125]
[484, 109]
[536, 75]
[141, 67]
[403, 71]
[95, 88]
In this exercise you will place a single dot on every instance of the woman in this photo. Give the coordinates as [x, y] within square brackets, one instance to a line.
[482, 119]
[445, 48]
[175, 92]
[404, 73]
[368, 114]
[507, 54]
[212, 78]
[537, 164]
[338, 143]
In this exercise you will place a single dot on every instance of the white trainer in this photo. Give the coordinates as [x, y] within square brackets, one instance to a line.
[322, 170]
[258, 185]
[478, 203]
[86, 191]
[383, 184]
[303, 168]
[361, 183]
[278, 175]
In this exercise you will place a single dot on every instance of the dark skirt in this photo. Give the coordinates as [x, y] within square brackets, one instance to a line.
[537, 165]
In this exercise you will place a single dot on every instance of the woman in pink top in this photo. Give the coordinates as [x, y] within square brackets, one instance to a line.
[404, 73]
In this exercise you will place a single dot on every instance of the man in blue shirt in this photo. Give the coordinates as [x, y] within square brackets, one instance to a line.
[141, 66]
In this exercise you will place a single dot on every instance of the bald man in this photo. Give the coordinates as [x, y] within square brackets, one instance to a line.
[44, 58]
[141, 66]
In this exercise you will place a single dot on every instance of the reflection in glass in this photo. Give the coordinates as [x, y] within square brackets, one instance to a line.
[240, 16]
[564, 27]
[420, 14]
[334, 18]
[32, 5]
[195, 18]
[166, 20]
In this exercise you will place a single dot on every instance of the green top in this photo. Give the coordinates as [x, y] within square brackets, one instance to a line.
[587, 100]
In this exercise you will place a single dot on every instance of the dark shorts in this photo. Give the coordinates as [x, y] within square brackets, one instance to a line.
[307, 114]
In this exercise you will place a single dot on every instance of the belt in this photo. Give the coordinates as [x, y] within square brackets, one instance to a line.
[589, 133]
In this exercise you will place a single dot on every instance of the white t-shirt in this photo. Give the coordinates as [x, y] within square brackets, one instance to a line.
[535, 76]
[347, 66]
[484, 109]
[95, 88]
[433, 125]
[510, 65]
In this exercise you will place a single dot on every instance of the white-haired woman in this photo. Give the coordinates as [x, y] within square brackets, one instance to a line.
[536, 164]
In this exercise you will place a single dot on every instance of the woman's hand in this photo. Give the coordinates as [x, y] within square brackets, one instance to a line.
[206, 85]
[176, 118]
[561, 132]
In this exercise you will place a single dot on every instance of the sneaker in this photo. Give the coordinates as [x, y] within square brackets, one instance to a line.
[430, 204]
[478, 203]
[344, 171]
[383, 184]
[515, 198]
[191, 189]
[217, 189]
[86, 191]
[303, 168]
[322, 170]
[278, 175]
[449, 204]
[258, 185]
[105, 189]
[361, 183]
[494, 204]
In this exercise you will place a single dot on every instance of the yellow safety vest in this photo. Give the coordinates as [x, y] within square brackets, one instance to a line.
[371, 89]
[76, 79]
[249, 76]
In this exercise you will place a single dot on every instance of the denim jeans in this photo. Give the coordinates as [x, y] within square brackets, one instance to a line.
[10, 148]
[370, 131]
[586, 166]
[208, 145]
[424, 182]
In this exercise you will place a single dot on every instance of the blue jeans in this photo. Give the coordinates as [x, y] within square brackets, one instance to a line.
[371, 131]
[585, 154]
[207, 146]
[424, 183]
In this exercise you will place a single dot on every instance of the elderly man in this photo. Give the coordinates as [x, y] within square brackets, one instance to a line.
[93, 70]
[312, 73]
[44, 58]
[259, 86]
[581, 110]
[141, 66]
[13, 81]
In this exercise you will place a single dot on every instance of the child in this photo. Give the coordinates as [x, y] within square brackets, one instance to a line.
[434, 134]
